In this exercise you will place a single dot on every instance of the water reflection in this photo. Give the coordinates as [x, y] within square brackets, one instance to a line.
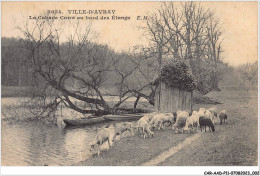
[37, 145]
[76, 143]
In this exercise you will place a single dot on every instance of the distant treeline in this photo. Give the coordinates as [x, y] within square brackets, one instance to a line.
[16, 71]
[14, 68]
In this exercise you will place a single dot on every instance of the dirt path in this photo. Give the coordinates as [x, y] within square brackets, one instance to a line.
[232, 144]
[165, 155]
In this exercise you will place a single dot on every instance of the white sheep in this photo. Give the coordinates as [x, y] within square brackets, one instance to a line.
[180, 121]
[105, 134]
[158, 123]
[169, 118]
[154, 119]
[213, 111]
[145, 127]
[192, 121]
[126, 126]
[160, 119]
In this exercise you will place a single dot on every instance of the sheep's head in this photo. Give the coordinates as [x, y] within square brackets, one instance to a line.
[92, 144]
[129, 128]
[92, 147]
[150, 118]
[153, 126]
[186, 129]
[174, 114]
[135, 129]
[151, 133]
[115, 137]
[174, 126]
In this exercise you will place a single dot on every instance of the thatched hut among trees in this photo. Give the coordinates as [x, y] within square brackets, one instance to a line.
[175, 85]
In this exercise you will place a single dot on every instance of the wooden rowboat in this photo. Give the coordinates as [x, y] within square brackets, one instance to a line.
[124, 117]
[93, 120]
[84, 121]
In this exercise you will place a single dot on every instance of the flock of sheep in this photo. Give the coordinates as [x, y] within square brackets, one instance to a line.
[180, 121]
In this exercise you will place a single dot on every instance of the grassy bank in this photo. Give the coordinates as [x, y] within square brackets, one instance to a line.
[232, 144]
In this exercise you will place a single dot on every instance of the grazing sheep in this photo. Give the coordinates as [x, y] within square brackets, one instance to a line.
[154, 119]
[126, 126]
[213, 111]
[105, 134]
[158, 123]
[160, 119]
[148, 117]
[145, 127]
[223, 116]
[206, 121]
[168, 118]
[192, 121]
[180, 121]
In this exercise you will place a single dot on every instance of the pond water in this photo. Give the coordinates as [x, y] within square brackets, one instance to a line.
[32, 144]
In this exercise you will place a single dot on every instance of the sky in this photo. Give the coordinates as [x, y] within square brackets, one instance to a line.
[239, 20]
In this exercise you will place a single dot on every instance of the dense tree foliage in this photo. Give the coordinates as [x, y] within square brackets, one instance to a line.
[176, 73]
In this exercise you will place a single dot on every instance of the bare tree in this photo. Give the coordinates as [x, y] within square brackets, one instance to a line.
[249, 72]
[133, 73]
[70, 71]
[214, 49]
[79, 73]
[192, 33]
[159, 37]
[146, 71]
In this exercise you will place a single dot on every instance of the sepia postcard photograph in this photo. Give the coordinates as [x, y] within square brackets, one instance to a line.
[134, 83]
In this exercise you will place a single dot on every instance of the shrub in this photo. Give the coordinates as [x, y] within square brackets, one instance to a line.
[176, 73]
